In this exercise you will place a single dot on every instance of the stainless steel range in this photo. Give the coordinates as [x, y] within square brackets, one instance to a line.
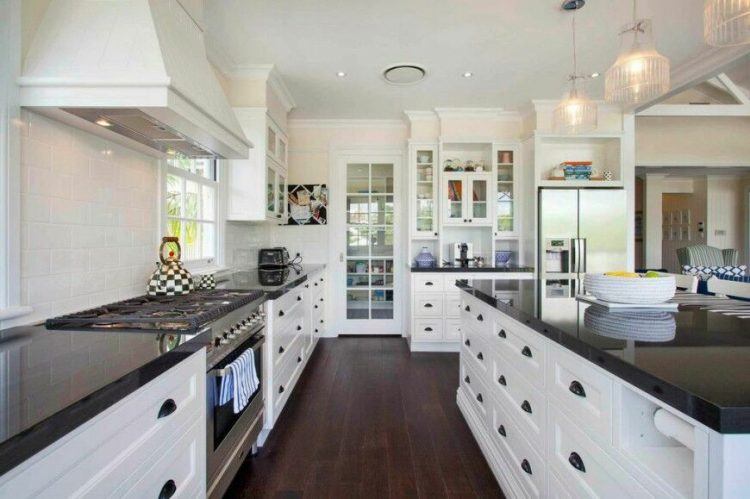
[231, 322]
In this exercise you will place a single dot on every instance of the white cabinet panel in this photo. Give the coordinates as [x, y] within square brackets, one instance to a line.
[428, 283]
[428, 329]
[428, 305]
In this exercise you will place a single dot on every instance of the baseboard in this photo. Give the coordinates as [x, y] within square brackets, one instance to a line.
[369, 336]
[435, 346]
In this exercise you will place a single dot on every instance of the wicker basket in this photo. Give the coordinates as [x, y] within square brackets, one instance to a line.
[641, 325]
[631, 290]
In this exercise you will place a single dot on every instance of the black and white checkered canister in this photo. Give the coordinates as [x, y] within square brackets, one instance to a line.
[170, 280]
[206, 281]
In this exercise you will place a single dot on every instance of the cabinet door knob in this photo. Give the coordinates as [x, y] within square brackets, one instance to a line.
[281, 313]
[167, 408]
[307, 285]
[480, 399]
[577, 388]
[526, 466]
[526, 406]
[480, 356]
[168, 490]
[315, 306]
[502, 381]
[321, 299]
[575, 461]
[501, 430]
[281, 349]
[436, 233]
[526, 352]
[467, 379]
[316, 330]
[502, 334]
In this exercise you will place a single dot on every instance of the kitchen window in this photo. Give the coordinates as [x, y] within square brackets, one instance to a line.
[190, 207]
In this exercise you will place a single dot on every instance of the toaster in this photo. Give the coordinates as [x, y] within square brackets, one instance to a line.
[273, 257]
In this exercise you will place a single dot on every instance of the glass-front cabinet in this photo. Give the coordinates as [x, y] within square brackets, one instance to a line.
[505, 178]
[424, 179]
[270, 192]
[281, 203]
[466, 198]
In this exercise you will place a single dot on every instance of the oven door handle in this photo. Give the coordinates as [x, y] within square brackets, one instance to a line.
[221, 372]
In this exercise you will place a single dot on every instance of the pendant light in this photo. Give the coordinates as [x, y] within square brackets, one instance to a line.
[726, 22]
[575, 113]
[640, 73]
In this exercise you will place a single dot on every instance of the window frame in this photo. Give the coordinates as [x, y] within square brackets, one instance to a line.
[206, 264]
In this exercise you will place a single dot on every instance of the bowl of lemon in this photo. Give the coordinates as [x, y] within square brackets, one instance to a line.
[630, 287]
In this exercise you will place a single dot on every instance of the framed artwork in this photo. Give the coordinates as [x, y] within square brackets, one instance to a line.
[308, 204]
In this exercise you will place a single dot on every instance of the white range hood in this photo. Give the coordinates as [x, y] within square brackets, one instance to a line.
[135, 68]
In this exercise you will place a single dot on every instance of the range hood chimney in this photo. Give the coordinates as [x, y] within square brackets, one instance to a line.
[134, 68]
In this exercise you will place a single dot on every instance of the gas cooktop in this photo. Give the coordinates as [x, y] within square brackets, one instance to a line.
[185, 314]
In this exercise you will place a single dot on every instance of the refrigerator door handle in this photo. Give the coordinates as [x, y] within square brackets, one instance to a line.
[583, 250]
[576, 256]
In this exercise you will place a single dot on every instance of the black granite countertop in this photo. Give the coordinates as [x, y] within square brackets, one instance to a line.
[57, 380]
[694, 360]
[472, 268]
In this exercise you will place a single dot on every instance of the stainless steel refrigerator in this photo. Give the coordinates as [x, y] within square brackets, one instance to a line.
[580, 231]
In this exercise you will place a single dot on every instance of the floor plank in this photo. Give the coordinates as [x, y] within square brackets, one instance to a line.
[370, 419]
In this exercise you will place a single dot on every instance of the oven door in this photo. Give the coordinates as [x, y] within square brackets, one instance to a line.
[229, 436]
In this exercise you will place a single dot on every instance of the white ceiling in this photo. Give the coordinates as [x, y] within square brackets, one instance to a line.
[518, 50]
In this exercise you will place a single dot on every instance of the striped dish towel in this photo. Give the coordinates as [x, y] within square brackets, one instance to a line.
[240, 381]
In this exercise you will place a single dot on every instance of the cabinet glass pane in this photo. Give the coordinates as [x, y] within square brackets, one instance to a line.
[382, 179]
[425, 208]
[382, 241]
[358, 210]
[358, 241]
[358, 179]
[281, 194]
[357, 304]
[270, 190]
[382, 304]
[381, 210]
[455, 199]
[479, 198]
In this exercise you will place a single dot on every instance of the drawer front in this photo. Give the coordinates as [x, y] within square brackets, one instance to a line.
[475, 350]
[289, 300]
[283, 384]
[428, 305]
[181, 469]
[477, 316]
[584, 391]
[527, 405]
[525, 462]
[283, 350]
[428, 283]
[453, 306]
[452, 330]
[585, 469]
[525, 350]
[285, 339]
[475, 390]
[428, 329]
[556, 488]
[116, 442]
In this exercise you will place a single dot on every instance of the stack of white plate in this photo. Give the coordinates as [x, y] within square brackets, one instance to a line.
[635, 290]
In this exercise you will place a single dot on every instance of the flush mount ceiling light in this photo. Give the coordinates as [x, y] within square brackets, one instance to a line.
[404, 74]
[640, 73]
[726, 23]
[575, 113]
[468, 74]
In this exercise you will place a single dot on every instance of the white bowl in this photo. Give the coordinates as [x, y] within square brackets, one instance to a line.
[633, 290]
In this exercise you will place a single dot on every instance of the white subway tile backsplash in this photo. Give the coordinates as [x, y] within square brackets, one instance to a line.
[68, 260]
[44, 236]
[117, 237]
[86, 283]
[131, 257]
[87, 236]
[48, 288]
[35, 262]
[36, 153]
[68, 211]
[35, 208]
[104, 215]
[46, 182]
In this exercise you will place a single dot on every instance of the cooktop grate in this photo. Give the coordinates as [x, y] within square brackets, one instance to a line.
[186, 313]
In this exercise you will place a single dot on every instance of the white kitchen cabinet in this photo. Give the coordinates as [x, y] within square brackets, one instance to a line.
[423, 179]
[466, 198]
[506, 161]
[128, 440]
[256, 187]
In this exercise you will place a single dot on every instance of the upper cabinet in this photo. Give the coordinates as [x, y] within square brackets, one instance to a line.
[423, 190]
[505, 159]
[256, 187]
[466, 198]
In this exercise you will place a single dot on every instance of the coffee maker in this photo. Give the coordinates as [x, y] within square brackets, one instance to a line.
[461, 254]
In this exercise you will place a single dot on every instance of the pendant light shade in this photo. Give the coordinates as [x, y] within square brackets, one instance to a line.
[575, 113]
[640, 73]
[726, 22]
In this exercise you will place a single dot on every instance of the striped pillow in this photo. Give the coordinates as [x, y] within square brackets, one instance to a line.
[704, 273]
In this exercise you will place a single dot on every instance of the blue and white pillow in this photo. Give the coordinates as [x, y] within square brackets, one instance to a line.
[704, 273]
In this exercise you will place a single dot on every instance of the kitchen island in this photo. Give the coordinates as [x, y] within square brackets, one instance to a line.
[573, 400]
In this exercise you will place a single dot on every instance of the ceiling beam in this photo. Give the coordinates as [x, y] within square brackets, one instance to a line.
[705, 110]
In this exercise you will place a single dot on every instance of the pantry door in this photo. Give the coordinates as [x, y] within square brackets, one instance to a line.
[365, 239]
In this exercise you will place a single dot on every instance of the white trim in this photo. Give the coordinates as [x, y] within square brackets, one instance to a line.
[421, 115]
[497, 113]
[345, 123]
[13, 312]
[696, 110]
[733, 89]
[269, 74]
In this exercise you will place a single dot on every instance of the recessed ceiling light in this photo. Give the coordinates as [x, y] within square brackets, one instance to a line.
[595, 75]
[103, 122]
[341, 74]
[468, 74]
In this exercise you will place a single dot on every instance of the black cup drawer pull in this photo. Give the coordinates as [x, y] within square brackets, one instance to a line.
[428, 329]
[167, 408]
[501, 430]
[526, 406]
[168, 490]
[281, 388]
[299, 328]
[467, 342]
[299, 359]
[526, 466]
[480, 356]
[299, 298]
[577, 388]
[526, 352]
[467, 379]
[281, 349]
[502, 381]
[575, 461]
[428, 305]
[467, 308]
[480, 399]
[428, 283]
[502, 334]
[281, 313]
[480, 318]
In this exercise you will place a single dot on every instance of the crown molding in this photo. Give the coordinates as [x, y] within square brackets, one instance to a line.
[495, 113]
[421, 115]
[269, 74]
[281, 90]
[345, 123]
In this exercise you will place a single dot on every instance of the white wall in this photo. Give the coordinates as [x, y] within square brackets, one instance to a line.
[89, 219]
[726, 213]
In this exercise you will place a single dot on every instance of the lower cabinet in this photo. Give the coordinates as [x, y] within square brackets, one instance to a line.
[101, 457]
[545, 418]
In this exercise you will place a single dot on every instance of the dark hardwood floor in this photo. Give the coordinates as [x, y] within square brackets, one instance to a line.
[370, 419]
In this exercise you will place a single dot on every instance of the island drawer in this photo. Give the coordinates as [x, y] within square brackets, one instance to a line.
[525, 350]
[475, 349]
[428, 283]
[583, 466]
[524, 402]
[584, 391]
[525, 462]
[428, 329]
[287, 343]
[476, 391]
[476, 315]
[288, 301]
[428, 305]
